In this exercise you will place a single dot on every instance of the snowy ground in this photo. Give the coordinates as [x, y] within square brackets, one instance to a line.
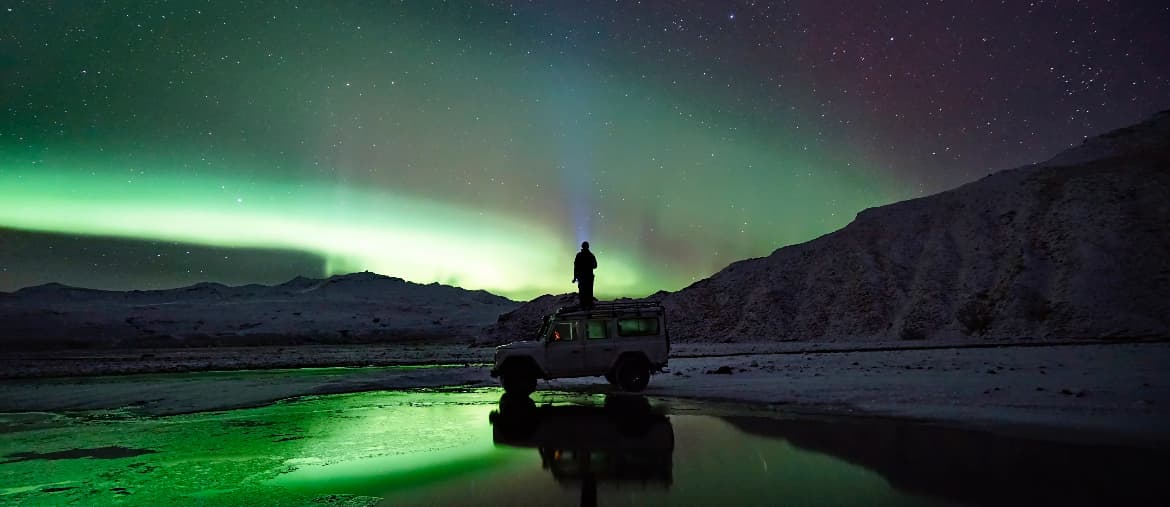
[1108, 393]
[1096, 392]
[72, 363]
[89, 362]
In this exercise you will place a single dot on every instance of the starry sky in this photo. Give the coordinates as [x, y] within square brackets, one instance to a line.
[476, 143]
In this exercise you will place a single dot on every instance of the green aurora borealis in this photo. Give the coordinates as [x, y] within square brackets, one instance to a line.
[461, 142]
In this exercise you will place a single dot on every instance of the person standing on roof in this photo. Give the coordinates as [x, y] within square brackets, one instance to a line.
[583, 266]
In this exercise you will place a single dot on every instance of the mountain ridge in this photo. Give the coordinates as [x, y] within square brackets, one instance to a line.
[356, 307]
[295, 281]
[1024, 253]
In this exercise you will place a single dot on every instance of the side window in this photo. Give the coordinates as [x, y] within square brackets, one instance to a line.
[597, 329]
[645, 326]
[563, 332]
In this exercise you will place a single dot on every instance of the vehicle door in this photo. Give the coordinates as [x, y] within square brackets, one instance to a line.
[564, 350]
[600, 349]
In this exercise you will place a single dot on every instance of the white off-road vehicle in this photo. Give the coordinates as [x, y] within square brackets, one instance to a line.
[625, 342]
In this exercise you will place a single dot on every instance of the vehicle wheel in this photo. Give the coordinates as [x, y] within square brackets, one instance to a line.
[632, 375]
[517, 381]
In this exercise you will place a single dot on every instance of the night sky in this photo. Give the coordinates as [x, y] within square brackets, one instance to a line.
[158, 144]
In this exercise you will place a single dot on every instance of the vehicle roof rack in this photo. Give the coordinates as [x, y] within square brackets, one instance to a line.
[613, 308]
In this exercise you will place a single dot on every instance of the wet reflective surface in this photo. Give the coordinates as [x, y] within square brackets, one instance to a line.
[472, 447]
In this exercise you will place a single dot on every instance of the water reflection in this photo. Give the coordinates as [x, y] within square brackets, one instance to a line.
[976, 467]
[623, 440]
[471, 447]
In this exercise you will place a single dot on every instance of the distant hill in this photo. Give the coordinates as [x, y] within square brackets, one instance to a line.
[1075, 247]
[359, 307]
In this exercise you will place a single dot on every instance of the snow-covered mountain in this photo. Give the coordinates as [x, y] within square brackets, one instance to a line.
[348, 308]
[1075, 247]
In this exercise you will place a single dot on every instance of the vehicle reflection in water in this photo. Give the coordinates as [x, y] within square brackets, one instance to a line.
[621, 441]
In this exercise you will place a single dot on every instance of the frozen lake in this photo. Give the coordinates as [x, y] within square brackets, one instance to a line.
[470, 446]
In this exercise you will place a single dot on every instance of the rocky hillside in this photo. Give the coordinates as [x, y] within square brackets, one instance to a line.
[1076, 247]
[359, 307]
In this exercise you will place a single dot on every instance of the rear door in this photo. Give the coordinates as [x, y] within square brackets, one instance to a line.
[565, 350]
[600, 346]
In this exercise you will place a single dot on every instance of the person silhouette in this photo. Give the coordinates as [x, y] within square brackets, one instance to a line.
[583, 266]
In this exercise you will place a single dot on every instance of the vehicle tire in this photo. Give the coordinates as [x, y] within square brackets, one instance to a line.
[633, 375]
[518, 381]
